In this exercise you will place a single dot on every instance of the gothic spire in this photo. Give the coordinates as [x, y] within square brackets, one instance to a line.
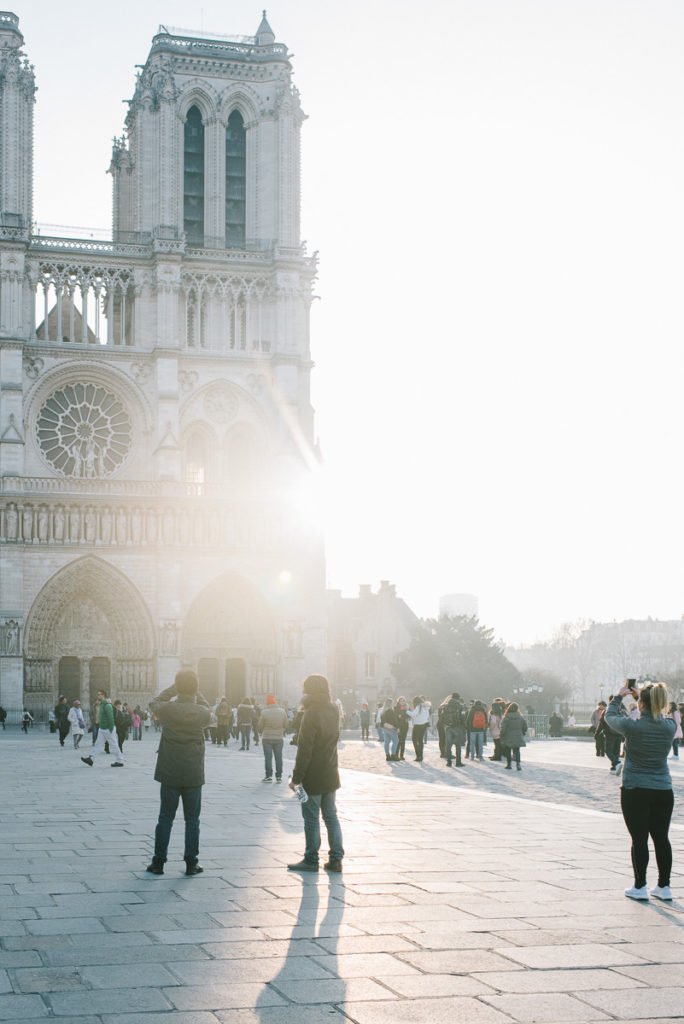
[265, 35]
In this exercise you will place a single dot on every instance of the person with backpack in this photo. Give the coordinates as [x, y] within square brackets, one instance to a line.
[453, 717]
[26, 721]
[513, 731]
[477, 727]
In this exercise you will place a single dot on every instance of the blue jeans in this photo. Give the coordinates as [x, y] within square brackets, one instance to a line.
[315, 806]
[192, 805]
[272, 747]
[391, 742]
[476, 743]
[453, 737]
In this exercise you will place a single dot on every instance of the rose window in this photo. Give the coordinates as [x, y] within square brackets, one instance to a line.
[84, 430]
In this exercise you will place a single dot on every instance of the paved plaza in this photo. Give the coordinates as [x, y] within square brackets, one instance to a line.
[478, 896]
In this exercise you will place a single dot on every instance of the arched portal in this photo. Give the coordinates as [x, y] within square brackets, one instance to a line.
[230, 637]
[89, 621]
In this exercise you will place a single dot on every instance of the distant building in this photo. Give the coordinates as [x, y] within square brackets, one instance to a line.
[365, 635]
[458, 604]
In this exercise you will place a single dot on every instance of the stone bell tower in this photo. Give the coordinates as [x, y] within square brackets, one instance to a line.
[157, 444]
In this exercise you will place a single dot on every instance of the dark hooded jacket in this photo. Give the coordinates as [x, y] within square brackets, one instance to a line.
[316, 764]
[180, 760]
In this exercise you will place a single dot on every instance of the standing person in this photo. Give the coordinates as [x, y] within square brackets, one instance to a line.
[476, 725]
[364, 720]
[26, 720]
[136, 722]
[316, 770]
[513, 730]
[441, 731]
[452, 714]
[378, 726]
[496, 713]
[401, 708]
[244, 717]
[184, 715]
[122, 722]
[646, 797]
[224, 719]
[599, 735]
[612, 739]
[77, 723]
[256, 714]
[62, 719]
[106, 733]
[3, 717]
[389, 720]
[272, 724]
[676, 717]
[419, 715]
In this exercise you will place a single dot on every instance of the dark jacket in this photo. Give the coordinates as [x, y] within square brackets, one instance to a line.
[245, 714]
[513, 729]
[180, 760]
[390, 718]
[316, 764]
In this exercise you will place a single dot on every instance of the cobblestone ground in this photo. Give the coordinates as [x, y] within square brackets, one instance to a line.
[564, 771]
[482, 897]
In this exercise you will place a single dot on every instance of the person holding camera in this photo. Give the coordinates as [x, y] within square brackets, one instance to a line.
[646, 797]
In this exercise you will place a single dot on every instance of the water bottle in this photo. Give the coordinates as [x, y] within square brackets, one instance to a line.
[300, 793]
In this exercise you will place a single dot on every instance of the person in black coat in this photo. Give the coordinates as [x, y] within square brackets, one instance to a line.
[317, 773]
[180, 767]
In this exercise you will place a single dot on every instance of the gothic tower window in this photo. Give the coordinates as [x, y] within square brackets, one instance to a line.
[193, 178]
[236, 181]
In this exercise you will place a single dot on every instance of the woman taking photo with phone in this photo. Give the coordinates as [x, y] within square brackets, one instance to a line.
[646, 796]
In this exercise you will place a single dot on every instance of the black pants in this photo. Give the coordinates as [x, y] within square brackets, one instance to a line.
[648, 812]
[418, 738]
[364, 732]
[401, 749]
[613, 744]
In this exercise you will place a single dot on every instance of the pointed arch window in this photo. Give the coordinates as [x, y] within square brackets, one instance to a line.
[236, 181]
[193, 178]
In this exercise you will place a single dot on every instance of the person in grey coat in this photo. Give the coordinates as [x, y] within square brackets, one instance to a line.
[513, 730]
[184, 715]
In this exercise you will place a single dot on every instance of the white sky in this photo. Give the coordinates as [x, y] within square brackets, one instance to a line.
[495, 187]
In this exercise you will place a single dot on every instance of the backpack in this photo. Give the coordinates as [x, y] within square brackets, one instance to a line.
[479, 720]
[452, 715]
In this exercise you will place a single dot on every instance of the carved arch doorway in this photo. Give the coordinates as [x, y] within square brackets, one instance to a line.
[91, 614]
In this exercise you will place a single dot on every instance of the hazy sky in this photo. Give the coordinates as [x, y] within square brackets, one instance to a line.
[495, 188]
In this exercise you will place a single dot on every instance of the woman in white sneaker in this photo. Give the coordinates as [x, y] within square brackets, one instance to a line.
[646, 796]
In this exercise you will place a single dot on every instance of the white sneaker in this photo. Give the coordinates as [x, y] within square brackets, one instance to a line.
[618, 769]
[662, 892]
[637, 894]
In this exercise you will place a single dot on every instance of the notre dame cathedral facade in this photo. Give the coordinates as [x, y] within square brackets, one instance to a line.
[156, 431]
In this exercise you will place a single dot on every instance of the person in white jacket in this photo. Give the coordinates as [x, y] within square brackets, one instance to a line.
[419, 715]
[77, 722]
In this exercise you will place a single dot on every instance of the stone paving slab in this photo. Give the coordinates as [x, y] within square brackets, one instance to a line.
[486, 901]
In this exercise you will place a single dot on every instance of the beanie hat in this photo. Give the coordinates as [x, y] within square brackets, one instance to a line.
[270, 699]
[317, 685]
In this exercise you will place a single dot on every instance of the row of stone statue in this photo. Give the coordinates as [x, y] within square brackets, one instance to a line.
[76, 524]
[134, 676]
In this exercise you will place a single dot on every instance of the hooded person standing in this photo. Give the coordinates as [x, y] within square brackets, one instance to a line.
[317, 772]
[184, 715]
